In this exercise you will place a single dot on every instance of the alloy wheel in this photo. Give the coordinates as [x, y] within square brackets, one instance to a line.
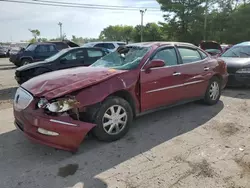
[114, 120]
[214, 90]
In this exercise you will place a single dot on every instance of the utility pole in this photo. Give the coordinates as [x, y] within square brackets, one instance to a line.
[142, 14]
[60, 25]
[205, 21]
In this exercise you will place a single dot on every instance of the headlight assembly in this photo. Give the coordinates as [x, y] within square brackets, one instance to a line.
[243, 71]
[58, 106]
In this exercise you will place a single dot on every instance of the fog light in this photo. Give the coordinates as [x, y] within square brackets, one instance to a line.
[46, 132]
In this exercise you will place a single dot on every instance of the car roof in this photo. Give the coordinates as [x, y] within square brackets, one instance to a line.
[105, 42]
[149, 44]
[247, 43]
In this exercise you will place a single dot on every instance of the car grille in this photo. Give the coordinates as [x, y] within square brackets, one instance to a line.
[22, 99]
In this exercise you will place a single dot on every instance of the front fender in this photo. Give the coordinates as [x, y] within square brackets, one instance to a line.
[97, 93]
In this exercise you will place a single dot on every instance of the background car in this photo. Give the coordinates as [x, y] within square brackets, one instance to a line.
[38, 51]
[111, 46]
[33, 53]
[63, 106]
[3, 51]
[237, 59]
[67, 58]
[211, 47]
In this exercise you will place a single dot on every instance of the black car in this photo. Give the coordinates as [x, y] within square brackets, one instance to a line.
[67, 58]
[39, 51]
[237, 59]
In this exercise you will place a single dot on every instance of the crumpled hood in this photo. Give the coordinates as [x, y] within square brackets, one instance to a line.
[56, 84]
[210, 45]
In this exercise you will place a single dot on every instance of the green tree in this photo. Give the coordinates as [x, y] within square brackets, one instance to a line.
[116, 33]
[151, 32]
[35, 33]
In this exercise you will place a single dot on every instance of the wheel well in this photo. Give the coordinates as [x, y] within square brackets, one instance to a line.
[218, 76]
[126, 96]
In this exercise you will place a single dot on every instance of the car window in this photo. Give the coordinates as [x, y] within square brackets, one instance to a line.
[99, 45]
[109, 46]
[94, 53]
[189, 55]
[61, 46]
[203, 55]
[237, 51]
[31, 47]
[168, 55]
[42, 49]
[74, 55]
[52, 48]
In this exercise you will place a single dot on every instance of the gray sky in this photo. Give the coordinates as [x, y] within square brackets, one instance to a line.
[16, 19]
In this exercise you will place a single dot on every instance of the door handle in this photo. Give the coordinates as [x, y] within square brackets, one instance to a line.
[206, 68]
[177, 74]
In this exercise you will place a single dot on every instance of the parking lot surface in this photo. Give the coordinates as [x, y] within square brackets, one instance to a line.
[191, 146]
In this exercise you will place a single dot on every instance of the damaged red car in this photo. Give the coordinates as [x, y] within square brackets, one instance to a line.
[59, 108]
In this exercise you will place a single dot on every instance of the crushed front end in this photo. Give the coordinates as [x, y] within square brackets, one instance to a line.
[54, 123]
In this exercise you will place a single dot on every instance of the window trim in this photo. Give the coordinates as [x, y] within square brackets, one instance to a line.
[187, 47]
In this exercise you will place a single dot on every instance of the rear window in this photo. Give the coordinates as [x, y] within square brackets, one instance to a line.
[94, 53]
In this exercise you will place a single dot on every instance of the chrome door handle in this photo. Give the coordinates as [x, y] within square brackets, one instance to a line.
[206, 68]
[177, 74]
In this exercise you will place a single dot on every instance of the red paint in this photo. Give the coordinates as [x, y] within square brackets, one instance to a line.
[149, 89]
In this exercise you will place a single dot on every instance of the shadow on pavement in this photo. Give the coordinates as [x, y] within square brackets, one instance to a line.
[240, 93]
[35, 165]
[7, 68]
[7, 93]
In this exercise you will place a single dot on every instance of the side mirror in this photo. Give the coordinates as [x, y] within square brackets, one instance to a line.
[154, 64]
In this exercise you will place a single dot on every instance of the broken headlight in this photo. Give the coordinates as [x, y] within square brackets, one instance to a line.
[59, 105]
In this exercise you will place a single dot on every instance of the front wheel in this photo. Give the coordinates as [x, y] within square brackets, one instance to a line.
[25, 62]
[113, 119]
[213, 92]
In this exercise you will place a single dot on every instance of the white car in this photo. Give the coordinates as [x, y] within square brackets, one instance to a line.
[111, 46]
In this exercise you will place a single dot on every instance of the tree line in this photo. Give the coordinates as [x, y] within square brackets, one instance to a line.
[224, 21]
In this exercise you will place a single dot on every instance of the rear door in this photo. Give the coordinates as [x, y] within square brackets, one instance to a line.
[161, 86]
[195, 71]
[93, 54]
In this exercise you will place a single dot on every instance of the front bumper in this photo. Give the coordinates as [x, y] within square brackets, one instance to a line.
[239, 79]
[69, 135]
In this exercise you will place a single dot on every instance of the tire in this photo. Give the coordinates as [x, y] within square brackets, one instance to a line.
[213, 92]
[25, 62]
[119, 126]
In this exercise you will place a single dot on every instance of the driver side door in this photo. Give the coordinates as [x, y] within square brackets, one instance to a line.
[161, 86]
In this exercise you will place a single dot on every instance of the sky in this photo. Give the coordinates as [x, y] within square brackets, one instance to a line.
[17, 19]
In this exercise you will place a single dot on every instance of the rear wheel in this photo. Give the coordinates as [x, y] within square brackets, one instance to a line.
[213, 92]
[113, 119]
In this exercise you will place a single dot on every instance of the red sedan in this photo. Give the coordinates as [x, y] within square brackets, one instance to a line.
[59, 108]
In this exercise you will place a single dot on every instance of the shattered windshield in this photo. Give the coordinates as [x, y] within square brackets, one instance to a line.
[124, 58]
